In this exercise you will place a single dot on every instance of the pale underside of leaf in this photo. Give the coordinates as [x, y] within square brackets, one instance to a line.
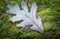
[28, 18]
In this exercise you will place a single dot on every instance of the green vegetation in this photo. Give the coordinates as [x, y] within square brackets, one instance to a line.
[49, 10]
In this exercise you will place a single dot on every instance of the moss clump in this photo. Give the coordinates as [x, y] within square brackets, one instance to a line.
[49, 10]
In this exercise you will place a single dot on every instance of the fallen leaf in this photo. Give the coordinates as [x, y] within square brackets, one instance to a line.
[29, 18]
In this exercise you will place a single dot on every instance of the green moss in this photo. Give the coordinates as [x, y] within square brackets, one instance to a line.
[49, 10]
